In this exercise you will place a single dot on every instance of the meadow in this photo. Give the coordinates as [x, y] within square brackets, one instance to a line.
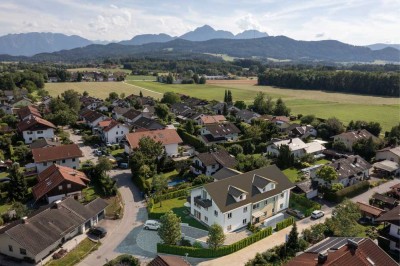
[345, 107]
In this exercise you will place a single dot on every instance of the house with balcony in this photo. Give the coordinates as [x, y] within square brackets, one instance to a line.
[235, 201]
[112, 131]
[208, 163]
[64, 155]
[34, 128]
[392, 230]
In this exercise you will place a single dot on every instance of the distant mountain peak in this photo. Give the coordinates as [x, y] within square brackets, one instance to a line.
[251, 34]
[205, 33]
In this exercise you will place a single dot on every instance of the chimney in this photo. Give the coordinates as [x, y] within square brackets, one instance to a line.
[355, 160]
[322, 257]
[338, 166]
[290, 141]
[57, 204]
[352, 244]
[25, 219]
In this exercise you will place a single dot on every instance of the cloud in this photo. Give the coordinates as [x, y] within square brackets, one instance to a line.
[248, 22]
[319, 35]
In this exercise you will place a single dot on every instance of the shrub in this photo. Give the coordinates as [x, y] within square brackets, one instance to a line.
[352, 191]
[307, 204]
[190, 139]
[285, 223]
[124, 259]
[197, 244]
[185, 243]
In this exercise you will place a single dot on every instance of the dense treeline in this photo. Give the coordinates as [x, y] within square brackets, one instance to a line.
[372, 83]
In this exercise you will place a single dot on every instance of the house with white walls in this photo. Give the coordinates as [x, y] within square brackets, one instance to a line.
[112, 131]
[235, 201]
[296, 146]
[34, 128]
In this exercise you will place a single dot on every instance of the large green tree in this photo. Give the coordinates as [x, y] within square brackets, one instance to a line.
[162, 111]
[170, 228]
[285, 158]
[216, 236]
[344, 220]
[150, 148]
[71, 98]
[17, 188]
[170, 98]
[327, 173]
[159, 184]
[366, 148]
[281, 108]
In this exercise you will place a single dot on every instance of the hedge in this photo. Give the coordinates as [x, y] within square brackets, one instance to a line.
[285, 223]
[190, 139]
[309, 205]
[239, 142]
[347, 192]
[212, 253]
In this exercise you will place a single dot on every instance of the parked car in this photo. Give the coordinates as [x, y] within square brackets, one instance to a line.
[98, 152]
[151, 225]
[124, 165]
[99, 232]
[295, 213]
[317, 214]
[108, 144]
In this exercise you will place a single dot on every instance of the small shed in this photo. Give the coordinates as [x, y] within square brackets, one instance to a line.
[369, 211]
[387, 168]
[308, 188]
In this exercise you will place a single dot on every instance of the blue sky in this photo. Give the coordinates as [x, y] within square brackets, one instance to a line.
[356, 22]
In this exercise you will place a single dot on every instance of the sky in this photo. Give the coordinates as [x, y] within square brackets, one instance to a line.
[357, 22]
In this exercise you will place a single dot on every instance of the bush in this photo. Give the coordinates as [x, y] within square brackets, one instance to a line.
[212, 253]
[124, 259]
[190, 139]
[351, 191]
[185, 243]
[307, 204]
[197, 244]
[285, 223]
[1, 221]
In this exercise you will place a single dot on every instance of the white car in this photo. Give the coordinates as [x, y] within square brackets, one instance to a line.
[317, 214]
[151, 225]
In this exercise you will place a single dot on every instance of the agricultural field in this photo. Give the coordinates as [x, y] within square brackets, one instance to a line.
[140, 78]
[99, 89]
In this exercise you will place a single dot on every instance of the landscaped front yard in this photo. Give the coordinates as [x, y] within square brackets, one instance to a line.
[177, 206]
[293, 173]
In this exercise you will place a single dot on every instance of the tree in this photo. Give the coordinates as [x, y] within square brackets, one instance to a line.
[170, 98]
[216, 236]
[113, 96]
[240, 104]
[281, 108]
[226, 96]
[196, 78]
[339, 146]
[189, 127]
[202, 179]
[250, 162]
[159, 183]
[293, 240]
[225, 109]
[162, 111]
[202, 80]
[170, 228]
[229, 99]
[79, 77]
[151, 149]
[71, 98]
[285, 158]
[85, 93]
[170, 79]
[17, 188]
[20, 209]
[307, 119]
[235, 149]
[259, 103]
[103, 165]
[63, 117]
[315, 233]
[366, 148]
[344, 222]
[327, 173]
[140, 94]
[21, 152]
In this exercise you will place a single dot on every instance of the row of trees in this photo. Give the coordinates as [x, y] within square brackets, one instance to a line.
[372, 83]
[264, 104]
[26, 79]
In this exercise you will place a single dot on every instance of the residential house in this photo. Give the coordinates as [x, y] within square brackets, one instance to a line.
[395, 191]
[43, 231]
[247, 116]
[382, 201]
[36, 128]
[117, 112]
[386, 168]
[210, 119]
[148, 111]
[215, 133]
[389, 153]
[169, 138]
[179, 108]
[65, 155]
[164, 260]
[343, 251]
[132, 115]
[28, 112]
[350, 170]
[147, 123]
[43, 143]
[351, 137]
[369, 211]
[392, 231]
[208, 163]
[92, 118]
[21, 102]
[90, 102]
[193, 102]
[219, 108]
[282, 122]
[297, 147]
[235, 201]
[145, 100]
[112, 131]
[225, 173]
[307, 187]
[303, 132]
[14, 95]
[58, 182]
[7, 108]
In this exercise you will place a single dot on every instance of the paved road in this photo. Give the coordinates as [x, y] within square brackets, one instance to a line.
[134, 216]
[380, 189]
[86, 150]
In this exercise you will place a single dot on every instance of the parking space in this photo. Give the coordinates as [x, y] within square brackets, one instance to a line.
[88, 152]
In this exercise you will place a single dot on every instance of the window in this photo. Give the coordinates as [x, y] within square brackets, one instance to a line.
[216, 213]
[10, 248]
[60, 187]
[245, 209]
[68, 185]
[22, 251]
[204, 194]
[229, 227]
[29, 133]
[256, 206]
[74, 167]
[213, 166]
[273, 186]
[30, 138]
[229, 215]
[54, 162]
[273, 210]
[241, 197]
[266, 202]
[40, 132]
[282, 195]
[122, 132]
[244, 221]
[281, 206]
[63, 161]
[206, 218]
[73, 159]
[45, 164]
[116, 133]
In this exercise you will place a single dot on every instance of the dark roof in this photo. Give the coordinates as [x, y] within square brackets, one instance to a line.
[222, 129]
[261, 182]
[392, 216]
[163, 260]
[91, 116]
[56, 153]
[246, 114]
[41, 143]
[384, 198]
[219, 190]
[225, 172]
[49, 224]
[356, 135]
[375, 211]
[147, 123]
[236, 192]
[34, 123]
[132, 114]
[306, 186]
[342, 252]
[120, 110]
[28, 110]
[222, 157]
[350, 166]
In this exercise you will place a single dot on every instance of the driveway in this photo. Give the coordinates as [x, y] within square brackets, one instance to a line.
[86, 150]
[380, 189]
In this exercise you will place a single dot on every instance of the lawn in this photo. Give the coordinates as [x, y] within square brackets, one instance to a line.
[4, 206]
[176, 205]
[291, 173]
[77, 254]
[98, 89]
[140, 77]
[117, 153]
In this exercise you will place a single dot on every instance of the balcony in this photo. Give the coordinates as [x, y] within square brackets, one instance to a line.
[205, 203]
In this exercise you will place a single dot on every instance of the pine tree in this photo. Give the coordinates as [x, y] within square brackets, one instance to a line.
[141, 94]
[229, 98]
[225, 110]
[17, 186]
[226, 96]
[292, 244]
[170, 229]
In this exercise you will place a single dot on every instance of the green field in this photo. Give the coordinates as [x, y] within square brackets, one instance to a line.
[140, 78]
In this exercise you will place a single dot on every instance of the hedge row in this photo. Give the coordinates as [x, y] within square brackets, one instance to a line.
[347, 192]
[285, 223]
[190, 139]
[212, 253]
[176, 194]
[239, 142]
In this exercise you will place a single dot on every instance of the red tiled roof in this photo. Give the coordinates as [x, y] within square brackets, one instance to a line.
[212, 119]
[53, 176]
[111, 125]
[34, 123]
[375, 211]
[28, 110]
[56, 153]
[105, 123]
[165, 136]
[163, 260]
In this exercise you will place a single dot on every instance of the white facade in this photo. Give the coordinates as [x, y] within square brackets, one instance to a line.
[115, 134]
[71, 162]
[395, 232]
[209, 169]
[170, 149]
[31, 136]
[237, 218]
[388, 155]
